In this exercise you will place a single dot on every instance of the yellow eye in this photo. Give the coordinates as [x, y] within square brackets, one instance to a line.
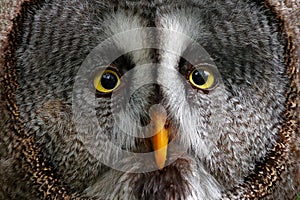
[107, 81]
[202, 79]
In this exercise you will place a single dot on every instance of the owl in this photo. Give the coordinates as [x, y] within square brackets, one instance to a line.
[153, 99]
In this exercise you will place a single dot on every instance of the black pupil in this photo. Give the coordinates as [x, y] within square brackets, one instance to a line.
[200, 77]
[109, 80]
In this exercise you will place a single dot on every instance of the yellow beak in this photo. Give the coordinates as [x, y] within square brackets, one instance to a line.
[160, 140]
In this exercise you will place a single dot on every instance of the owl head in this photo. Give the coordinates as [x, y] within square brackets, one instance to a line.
[152, 100]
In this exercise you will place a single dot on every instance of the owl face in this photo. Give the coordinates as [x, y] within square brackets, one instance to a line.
[161, 100]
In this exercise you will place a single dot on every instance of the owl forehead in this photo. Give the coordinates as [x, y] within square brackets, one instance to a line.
[164, 42]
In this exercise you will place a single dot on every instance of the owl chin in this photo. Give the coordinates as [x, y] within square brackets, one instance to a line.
[178, 180]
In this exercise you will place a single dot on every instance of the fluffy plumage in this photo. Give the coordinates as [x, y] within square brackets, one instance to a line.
[226, 132]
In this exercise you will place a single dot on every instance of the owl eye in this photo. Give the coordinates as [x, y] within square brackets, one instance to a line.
[202, 79]
[107, 81]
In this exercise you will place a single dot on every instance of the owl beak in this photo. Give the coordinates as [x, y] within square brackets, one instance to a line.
[160, 140]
